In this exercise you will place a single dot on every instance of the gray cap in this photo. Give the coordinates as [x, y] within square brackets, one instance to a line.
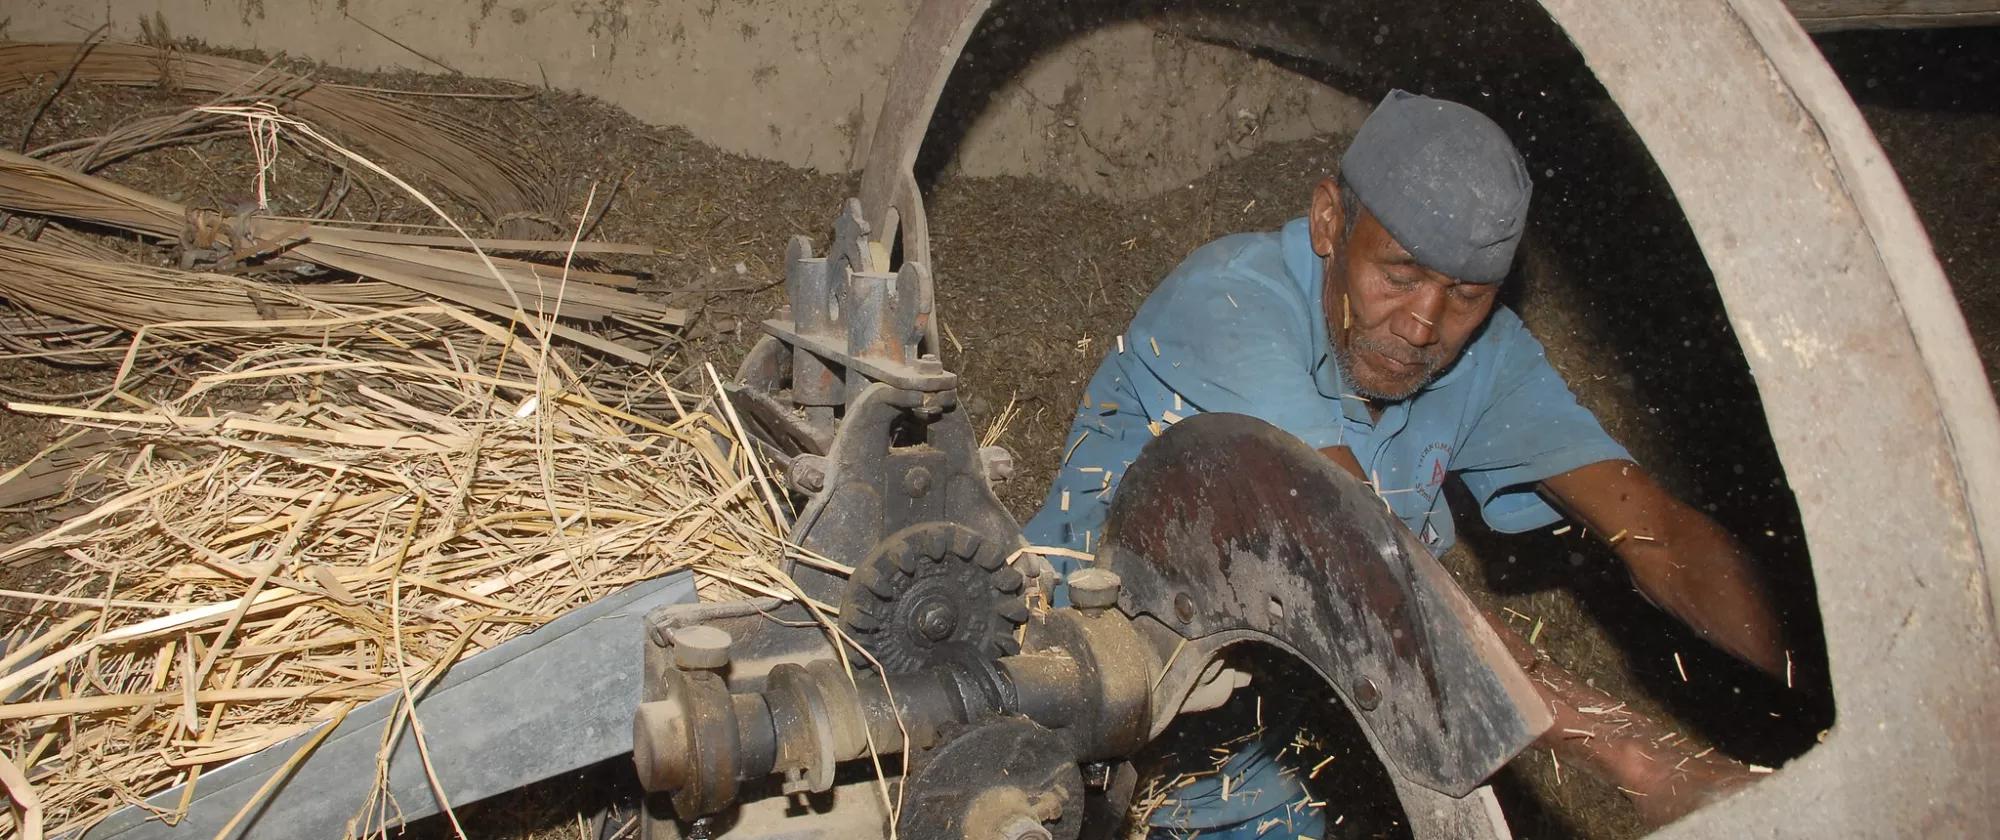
[1445, 181]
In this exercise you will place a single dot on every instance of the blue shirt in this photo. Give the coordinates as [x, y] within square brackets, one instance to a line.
[1238, 327]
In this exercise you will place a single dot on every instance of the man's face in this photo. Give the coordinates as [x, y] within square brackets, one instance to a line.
[1394, 325]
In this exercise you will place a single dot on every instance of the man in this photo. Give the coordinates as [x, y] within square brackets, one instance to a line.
[1369, 329]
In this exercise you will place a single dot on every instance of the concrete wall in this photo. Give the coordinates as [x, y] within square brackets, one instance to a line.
[1118, 108]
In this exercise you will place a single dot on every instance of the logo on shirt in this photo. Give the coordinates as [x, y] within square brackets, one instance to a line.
[1432, 466]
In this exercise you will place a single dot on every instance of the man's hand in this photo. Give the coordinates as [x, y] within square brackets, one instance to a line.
[1679, 558]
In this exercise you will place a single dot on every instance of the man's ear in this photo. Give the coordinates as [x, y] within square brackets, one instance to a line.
[1326, 216]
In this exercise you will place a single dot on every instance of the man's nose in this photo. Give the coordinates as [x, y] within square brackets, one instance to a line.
[1419, 325]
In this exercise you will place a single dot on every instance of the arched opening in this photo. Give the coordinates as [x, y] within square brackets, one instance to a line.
[1614, 282]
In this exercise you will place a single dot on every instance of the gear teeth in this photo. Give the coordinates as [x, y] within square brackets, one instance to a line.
[875, 608]
[927, 560]
[1014, 610]
[884, 587]
[988, 560]
[1007, 580]
[911, 562]
[968, 544]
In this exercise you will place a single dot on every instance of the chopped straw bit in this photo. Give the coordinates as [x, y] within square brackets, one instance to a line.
[318, 526]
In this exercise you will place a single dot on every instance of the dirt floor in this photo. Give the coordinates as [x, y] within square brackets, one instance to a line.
[1035, 279]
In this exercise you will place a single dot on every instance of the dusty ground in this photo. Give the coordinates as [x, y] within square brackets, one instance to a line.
[1034, 279]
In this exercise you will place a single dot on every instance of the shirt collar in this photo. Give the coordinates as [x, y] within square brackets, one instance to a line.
[1305, 268]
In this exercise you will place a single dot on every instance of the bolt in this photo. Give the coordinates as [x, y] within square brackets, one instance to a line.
[1366, 695]
[917, 482]
[929, 365]
[937, 620]
[1183, 607]
[795, 784]
[1094, 588]
[808, 473]
[1024, 828]
[700, 648]
[998, 461]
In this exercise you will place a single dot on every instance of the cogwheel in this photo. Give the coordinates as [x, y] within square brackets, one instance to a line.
[934, 591]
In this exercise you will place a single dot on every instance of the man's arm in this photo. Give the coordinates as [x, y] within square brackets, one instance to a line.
[1679, 558]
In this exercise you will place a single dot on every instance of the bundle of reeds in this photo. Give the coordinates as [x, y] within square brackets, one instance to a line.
[462, 159]
[508, 289]
[306, 527]
[131, 296]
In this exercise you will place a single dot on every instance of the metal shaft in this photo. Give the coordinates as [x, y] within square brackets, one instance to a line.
[1088, 680]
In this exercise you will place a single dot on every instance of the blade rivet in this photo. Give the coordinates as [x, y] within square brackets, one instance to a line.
[1366, 695]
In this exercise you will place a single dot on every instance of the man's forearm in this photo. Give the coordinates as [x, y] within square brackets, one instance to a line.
[1679, 558]
[1695, 571]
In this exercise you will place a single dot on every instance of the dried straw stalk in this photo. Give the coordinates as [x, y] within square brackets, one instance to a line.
[307, 527]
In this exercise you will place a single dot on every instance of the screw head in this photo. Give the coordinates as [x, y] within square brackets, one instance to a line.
[1366, 695]
[808, 473]
[1183, 607]
[917, 482]
[999, 462]
[936, 619]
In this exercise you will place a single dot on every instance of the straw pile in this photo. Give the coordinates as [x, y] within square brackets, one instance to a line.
[376, 464]
[309, 526]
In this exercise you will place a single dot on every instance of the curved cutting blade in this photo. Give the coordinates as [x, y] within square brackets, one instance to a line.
[1228, 527]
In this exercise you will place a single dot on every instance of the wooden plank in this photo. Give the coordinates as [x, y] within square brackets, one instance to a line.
[1832, 15]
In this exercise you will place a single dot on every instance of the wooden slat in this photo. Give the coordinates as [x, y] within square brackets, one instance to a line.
[1832, 15]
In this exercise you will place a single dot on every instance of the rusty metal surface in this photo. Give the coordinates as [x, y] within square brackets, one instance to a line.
[991, 775]
[885, 474]
[889, 195]
[1226, 523]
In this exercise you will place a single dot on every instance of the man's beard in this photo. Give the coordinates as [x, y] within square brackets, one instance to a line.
[1343, 355]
